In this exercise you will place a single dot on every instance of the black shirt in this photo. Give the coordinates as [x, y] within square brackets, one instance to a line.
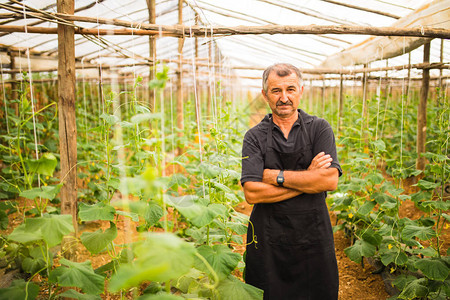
[254, 146]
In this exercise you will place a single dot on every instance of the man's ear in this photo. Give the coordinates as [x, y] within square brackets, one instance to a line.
[301, 90]
[264, 95]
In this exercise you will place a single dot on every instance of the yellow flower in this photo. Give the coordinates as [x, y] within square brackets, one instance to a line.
[142, 161]
[47, 177]
[45, 184]
[390, 246]
[447, 226]
[350, 215]
[392, 270]
[93, 164]
[96, 177]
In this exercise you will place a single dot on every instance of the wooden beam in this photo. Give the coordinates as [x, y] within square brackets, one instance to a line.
[422, 111]
[202, 31]
[67, 122]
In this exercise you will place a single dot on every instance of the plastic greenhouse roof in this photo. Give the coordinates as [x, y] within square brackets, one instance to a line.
[240, 54]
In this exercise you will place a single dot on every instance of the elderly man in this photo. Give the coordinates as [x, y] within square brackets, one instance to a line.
[289, 163]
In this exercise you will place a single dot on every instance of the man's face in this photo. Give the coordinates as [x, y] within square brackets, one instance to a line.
[283, 94]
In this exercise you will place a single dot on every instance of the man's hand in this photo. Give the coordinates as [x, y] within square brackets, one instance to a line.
[320, 161]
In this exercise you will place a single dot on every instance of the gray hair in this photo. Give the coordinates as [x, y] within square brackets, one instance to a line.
[282, 69]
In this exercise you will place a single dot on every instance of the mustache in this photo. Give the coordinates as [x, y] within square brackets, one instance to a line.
[280, 103]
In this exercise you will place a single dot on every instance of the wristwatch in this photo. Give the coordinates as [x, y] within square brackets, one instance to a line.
[280, 178]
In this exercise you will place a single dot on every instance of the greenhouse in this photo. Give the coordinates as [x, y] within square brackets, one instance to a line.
[124, 143]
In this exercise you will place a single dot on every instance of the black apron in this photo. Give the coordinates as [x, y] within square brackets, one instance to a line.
[290, 248]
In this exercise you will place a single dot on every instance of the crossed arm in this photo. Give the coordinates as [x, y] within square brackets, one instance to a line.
[317, 178]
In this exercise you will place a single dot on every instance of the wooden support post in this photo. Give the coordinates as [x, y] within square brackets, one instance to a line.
[341, 102]
[422, 111]
[14, 94]
[387, 87]
[364, 94]
[180, 124]
[152, 52]
[67, 122]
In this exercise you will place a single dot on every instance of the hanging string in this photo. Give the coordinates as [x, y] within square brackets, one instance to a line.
[84, 98]
[197, 104]
[32, 96]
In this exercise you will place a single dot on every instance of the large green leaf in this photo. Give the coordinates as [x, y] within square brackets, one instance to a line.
[197, 213]
[433, 268]
[360, 249]
[370, 236]
[81, 275]
[422, 232]
[153, 213]
[4, 221]
[98, 211]
[160, 257]
[233, 289]
[427, 185]
[72, 294]
[18, 290]
[45, 165]
[47, 192]
[221, 259]
[97, 241]
[415, 289]
[36, 261]
[52, 227]
[21, 235]
[393, 255]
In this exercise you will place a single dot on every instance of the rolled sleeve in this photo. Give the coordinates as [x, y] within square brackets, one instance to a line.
[252, 160]
[325, 142]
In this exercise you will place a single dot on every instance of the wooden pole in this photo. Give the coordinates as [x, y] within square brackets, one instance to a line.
[152, 52]
[14, 94]
[422, 111]
[67, 122]
[180, 30]
[180, 120]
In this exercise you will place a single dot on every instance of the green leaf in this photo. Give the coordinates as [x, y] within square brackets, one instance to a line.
[370, 236]
[19, 289]
[415, 289]
[198, 214]
[379, 146]
[139, 118]
[45, 165]
[52, 227]
[4, 221]
[110, 119]
[98, 211]
[81, 275]
[47, 192]
[21, 235]
[97, 241]
[221, 259]
[427, 185]
[360, 249]
[134, 217]
[153, 213]
[160, 257]
[36, 261]
[421, 232]
[72, 294]
[394, 255]
[233, 289]
[366, 208]
[433, 268]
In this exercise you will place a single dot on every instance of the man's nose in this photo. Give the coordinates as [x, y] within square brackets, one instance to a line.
[283, 96]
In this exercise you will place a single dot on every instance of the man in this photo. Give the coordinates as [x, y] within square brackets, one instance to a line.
[289, 163]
